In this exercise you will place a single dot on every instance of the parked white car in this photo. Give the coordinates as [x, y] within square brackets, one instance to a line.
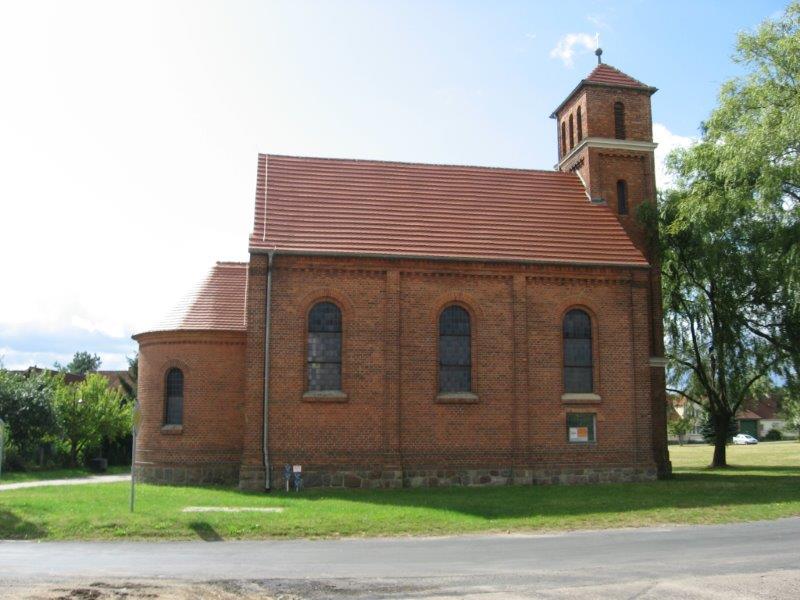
[744, 438]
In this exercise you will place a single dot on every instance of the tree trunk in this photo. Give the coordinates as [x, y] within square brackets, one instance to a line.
[721, 426]
[73, 454]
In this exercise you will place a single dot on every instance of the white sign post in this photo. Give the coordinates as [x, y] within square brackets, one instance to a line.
[136, 419]
[2, 444]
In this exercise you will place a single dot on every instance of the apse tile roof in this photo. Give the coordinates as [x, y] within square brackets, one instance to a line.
[218, 302]
[363, 207]
[609, 75]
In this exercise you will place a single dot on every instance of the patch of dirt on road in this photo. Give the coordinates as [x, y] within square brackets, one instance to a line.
[139, 590]
[158, 589]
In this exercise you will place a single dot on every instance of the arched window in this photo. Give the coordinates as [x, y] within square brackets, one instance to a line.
[563, 138]
[619, 120]
[173, 405]
[577, 352]
[622, 197]
[455, 351]
[571, 132]
[325, 348]
[579, 119]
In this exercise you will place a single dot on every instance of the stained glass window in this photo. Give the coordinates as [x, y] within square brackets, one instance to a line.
[577, 352]
[173, 411]
[325, 348]
[455, 360]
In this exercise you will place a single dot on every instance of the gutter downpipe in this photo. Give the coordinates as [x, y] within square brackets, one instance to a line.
[268, 315]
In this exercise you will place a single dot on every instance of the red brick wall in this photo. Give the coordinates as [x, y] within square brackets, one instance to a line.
[391, 417]
[213, 367]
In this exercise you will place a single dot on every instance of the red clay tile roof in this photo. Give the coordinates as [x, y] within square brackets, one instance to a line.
[767, 408]
[604, 74]
[608, 75]
[217, 303]
[747, 414]
[363, 207]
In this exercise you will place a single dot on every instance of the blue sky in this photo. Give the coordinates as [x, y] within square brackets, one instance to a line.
[129, 130]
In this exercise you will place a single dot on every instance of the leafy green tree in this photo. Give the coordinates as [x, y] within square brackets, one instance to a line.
[757, 133]
[790, 410]
[129, 388]
[82, 363]
[27, 409]
[715, 360]
[708, 429]
[88, 412]
[680, 427]
[730, 234]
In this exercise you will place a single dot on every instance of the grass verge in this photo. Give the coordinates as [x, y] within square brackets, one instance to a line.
[763, 484]
[23, 476]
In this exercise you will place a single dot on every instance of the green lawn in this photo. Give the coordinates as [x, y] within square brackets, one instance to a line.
[763, 484]
[19, 477]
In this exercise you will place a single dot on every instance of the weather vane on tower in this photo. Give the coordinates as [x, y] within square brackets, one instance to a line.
[598, 50]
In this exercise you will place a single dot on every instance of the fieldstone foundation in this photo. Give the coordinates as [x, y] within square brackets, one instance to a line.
[210, 474]
[381, 478]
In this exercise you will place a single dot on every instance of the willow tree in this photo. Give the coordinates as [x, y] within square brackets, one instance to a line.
[731, 234]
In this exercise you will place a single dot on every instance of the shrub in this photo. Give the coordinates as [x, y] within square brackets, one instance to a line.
[26, 406]
[773, 435]
[89, 412]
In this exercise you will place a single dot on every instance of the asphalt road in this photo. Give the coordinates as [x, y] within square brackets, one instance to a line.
[750, 560]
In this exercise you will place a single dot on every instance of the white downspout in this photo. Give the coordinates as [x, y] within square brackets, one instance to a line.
[267, 318]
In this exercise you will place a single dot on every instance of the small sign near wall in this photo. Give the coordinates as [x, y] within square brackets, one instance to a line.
[578, 434]
[297, 469]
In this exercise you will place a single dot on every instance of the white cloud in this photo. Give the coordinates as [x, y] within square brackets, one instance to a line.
[571, 44]
[667, 142]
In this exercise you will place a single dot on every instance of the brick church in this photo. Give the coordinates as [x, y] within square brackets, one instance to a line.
[403, 324]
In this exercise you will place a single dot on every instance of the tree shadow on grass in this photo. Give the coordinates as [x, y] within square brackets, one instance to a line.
[205, 531]
[14, 528]
[737, 486]
[763, 471]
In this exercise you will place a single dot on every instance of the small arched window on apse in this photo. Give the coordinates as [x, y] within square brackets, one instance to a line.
[173, 401]
[578, 367]
[579, 119]
[571, 132]
[619, 120]
[563, 138]
[324, 348]
[455, 350]
[622, 197]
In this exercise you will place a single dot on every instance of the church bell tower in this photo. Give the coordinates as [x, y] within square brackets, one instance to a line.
[605, 135]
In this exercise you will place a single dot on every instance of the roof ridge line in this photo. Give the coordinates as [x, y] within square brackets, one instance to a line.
[420, 164]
